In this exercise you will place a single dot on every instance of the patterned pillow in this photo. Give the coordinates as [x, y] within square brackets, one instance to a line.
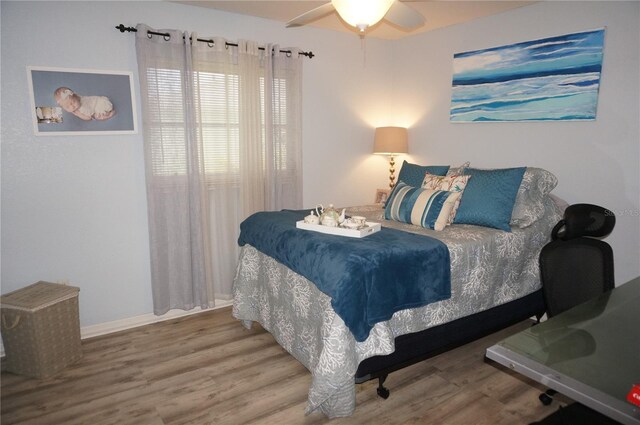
[489, 197]
[422, 207]
[413, 174]
[450, 183]
[529, 207]
[457, 171]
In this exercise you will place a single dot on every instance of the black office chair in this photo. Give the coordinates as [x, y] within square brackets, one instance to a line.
[575, 266]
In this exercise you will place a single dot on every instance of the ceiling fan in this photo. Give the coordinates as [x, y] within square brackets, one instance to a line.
[363, 14]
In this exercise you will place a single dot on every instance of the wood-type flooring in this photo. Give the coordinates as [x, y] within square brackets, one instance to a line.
[208, 369]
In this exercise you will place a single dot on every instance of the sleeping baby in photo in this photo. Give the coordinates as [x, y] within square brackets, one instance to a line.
[84, 107]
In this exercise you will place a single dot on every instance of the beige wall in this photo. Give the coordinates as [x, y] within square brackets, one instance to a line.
[596, 162]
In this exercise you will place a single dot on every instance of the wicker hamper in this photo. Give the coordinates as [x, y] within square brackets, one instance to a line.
[41, 329]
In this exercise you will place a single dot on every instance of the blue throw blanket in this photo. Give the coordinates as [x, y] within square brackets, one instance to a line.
[368, 279]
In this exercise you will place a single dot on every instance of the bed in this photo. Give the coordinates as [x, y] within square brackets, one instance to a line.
[494, 283]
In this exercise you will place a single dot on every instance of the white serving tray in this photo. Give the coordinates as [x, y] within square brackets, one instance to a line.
[370, 229]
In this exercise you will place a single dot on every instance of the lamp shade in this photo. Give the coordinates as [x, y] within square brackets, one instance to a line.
[391, 140]
[362, 13]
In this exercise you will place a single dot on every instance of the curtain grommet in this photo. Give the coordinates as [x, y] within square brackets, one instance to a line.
[167, 37]
[149, 35]
[211, 43]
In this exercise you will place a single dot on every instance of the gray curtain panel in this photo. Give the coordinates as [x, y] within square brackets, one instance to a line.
[222, 140]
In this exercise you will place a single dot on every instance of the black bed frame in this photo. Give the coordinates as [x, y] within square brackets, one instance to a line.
[419, 346]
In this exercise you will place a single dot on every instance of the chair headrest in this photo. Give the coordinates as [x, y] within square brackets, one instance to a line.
[584, 220]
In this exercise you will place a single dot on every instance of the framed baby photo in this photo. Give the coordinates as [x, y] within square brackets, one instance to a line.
[66, 102]
[382, 195]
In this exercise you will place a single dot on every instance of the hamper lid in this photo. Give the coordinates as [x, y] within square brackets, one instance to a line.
[37, 296]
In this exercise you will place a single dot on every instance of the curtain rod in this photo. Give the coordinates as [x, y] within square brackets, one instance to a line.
[122, 29]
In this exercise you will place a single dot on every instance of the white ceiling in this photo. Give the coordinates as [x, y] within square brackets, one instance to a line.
[438, 14]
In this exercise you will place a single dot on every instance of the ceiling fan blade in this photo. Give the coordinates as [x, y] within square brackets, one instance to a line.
[404, 16]
[311, 15]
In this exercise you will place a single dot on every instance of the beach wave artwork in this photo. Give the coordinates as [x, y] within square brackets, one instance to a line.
[552, 79]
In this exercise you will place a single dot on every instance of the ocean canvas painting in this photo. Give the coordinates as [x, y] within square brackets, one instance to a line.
[552, 79]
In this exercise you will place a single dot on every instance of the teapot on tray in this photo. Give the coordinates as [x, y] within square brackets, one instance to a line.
[326, 216]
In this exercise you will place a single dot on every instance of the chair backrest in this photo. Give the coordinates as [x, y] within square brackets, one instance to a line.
[575, 268]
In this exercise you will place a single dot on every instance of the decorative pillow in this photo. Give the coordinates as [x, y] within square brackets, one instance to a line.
[489, 197]
[413, 174]
[450, 183]
[458, 171]
[422, 207]
[529, 207]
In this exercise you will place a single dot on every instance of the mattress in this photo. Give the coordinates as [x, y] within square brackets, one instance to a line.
[489, 267]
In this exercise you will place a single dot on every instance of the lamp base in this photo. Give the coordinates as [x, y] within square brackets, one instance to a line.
[392, 170]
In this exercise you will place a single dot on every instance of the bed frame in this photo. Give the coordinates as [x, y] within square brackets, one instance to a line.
[416, 347]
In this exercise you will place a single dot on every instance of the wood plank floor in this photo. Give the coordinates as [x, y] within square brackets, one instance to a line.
[207, 369]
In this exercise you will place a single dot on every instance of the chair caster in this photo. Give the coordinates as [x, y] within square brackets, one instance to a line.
[545, 399]
[383, 392]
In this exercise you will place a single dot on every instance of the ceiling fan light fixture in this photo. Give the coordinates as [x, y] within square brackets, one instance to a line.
[362, 13]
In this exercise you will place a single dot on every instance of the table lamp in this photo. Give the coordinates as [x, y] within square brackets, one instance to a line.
[391, 141]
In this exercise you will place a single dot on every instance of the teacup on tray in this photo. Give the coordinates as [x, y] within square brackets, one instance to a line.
[362, 221]
[350, 223]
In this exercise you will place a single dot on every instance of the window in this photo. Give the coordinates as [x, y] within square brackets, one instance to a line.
[217, 110]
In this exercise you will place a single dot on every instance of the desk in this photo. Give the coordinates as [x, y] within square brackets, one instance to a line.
[590, 353]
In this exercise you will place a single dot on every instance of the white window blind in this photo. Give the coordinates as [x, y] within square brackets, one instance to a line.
[216, 102]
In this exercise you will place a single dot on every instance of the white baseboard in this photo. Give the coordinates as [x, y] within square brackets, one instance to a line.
[145, 319]
[134, 322]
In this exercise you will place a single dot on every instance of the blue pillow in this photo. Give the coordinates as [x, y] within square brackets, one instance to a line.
[422, 207]
[413, 174]
[489, 197]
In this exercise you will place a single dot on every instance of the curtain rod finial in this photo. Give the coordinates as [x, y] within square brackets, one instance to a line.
[122, 28]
